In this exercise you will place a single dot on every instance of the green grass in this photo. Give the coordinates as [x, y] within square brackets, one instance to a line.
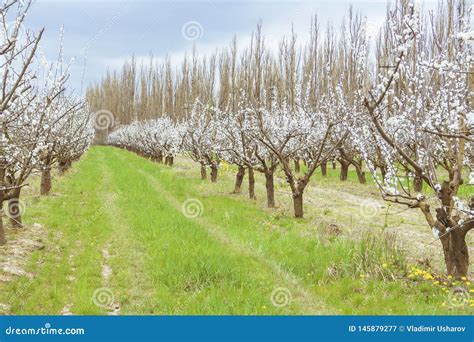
[119, 211]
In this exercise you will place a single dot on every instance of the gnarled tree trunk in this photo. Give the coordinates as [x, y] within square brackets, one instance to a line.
[344, 171]
[214, 172]
[298, 204]
[451, 234]
[324, 171]
[360, 172]
[203, 172]
[251, 184]
[3, 239]
[45, 181]
[269, 184]
[297, 165]
[15, 209]
[239, 178]
[417, 183]
[456, 255]
[159, 158]
[383, 172]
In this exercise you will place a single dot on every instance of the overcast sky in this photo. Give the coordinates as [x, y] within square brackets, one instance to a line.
[109, 32]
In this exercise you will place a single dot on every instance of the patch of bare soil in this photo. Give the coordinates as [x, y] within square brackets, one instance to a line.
[113, 308]
[14, 256]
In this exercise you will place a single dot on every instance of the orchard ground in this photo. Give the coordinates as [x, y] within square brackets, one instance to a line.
[123, 235]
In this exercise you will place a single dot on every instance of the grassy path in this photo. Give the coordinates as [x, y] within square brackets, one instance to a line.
[119, 242]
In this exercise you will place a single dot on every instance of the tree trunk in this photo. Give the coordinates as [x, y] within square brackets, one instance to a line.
[324, 170]
[383, 172]
[239, 178]
[45, 181]
[344, 171]
[214, 171]
[360, 173]
[417, 183]
[15, 209]
[298, 204]
[203, 172]
[297, 165]
[334, 166]
[171, 161]
[251, 184]
[456, 255]
[3, 239]
[270, 189]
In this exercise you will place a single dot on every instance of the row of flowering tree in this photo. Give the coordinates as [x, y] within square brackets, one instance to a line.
[402, 110]
[41, 124]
